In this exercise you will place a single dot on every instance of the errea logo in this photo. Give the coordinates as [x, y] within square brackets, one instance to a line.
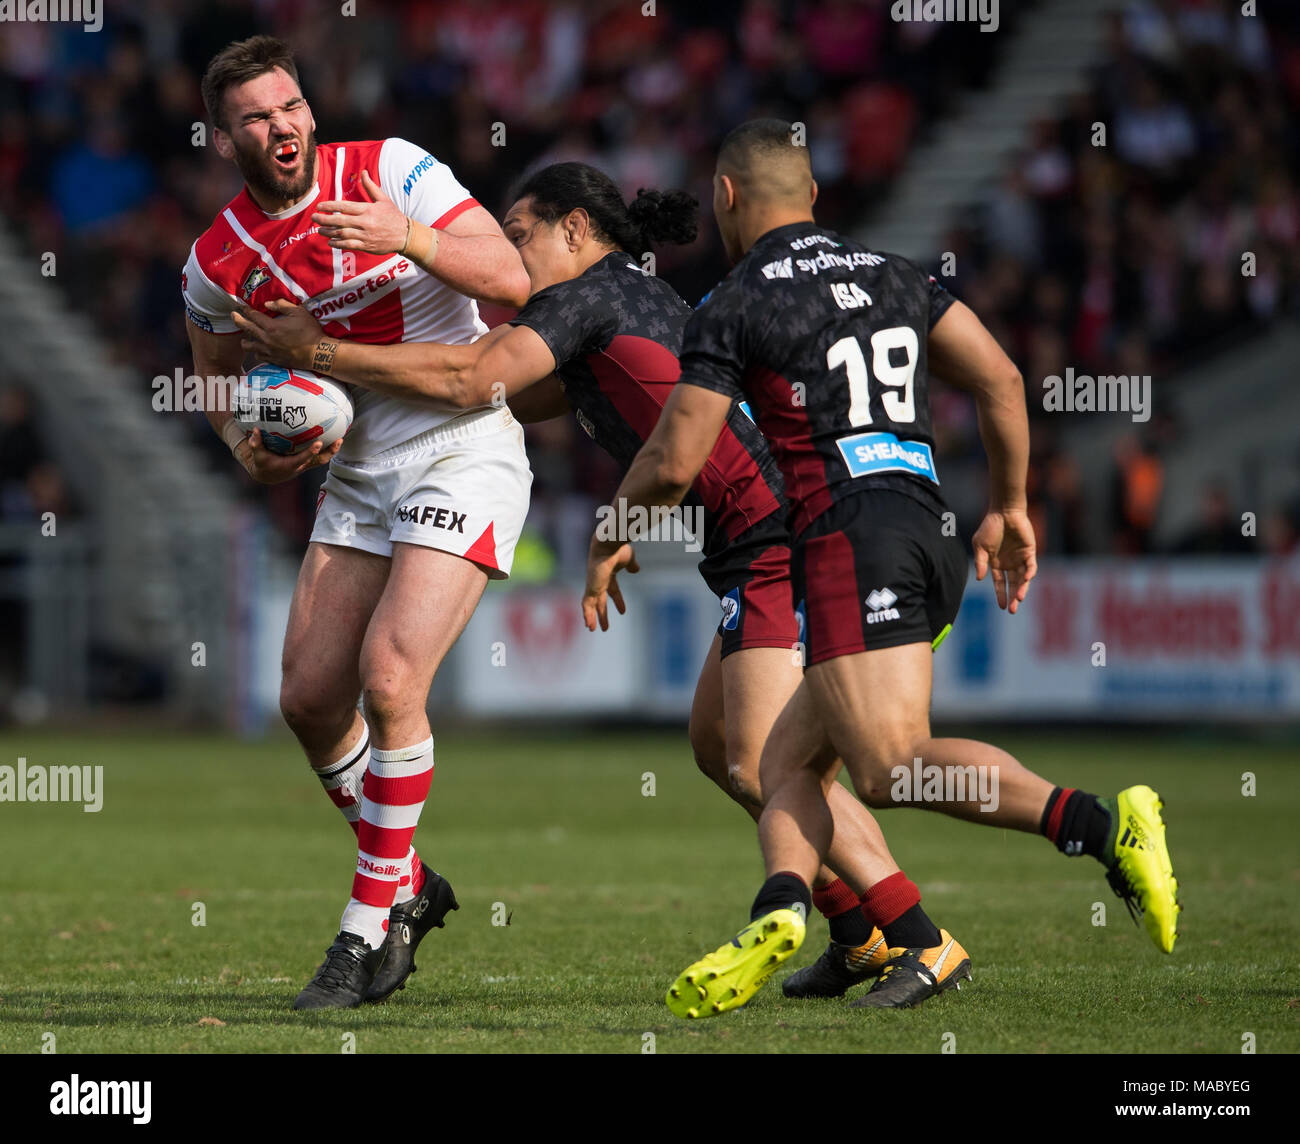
[781, 268]
[881, 602]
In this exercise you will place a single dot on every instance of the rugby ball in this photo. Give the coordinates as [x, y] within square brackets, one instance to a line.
[292, 407]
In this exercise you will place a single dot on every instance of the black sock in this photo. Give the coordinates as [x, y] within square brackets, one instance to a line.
[1082, 824]
[911, 929]
[850, 928]
[781, 892]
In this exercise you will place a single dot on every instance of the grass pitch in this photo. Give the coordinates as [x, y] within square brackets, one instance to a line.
[609, 893]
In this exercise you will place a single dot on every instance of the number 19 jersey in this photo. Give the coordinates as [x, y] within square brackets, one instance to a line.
[826, 339]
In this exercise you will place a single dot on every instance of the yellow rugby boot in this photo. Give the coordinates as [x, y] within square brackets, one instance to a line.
[1140, 870]
[730, 976]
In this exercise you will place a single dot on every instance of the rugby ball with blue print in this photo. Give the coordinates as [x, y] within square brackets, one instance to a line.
[294, 408]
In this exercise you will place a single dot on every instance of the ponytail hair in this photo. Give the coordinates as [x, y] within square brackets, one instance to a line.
[651, 218]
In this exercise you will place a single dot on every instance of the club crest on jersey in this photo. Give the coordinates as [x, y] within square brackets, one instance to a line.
[781, 268]
[255, 280]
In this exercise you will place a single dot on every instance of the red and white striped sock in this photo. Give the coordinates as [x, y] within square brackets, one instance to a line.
[343, 781]
[396, 785]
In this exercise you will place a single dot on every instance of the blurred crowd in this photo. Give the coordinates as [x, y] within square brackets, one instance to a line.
[99, 163]
[1122, 253]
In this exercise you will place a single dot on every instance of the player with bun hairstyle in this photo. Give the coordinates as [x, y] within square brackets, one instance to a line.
[832, 345]
[601, 337]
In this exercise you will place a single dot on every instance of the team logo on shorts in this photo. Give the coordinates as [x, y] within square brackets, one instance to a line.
[881, 602]
[801, 618]
[730, 610]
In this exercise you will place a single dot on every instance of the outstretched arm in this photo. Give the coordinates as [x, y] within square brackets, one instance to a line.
[490, 371]
[962, 352]
[661, 474]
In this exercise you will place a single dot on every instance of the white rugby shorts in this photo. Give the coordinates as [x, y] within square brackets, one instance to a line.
[461, 487]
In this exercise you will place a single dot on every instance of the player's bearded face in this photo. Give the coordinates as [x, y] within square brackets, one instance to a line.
[281, 166]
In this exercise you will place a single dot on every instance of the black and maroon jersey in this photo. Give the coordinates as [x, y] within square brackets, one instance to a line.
[615, 333]
[827, 341]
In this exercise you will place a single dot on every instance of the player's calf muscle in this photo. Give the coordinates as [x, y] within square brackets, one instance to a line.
[427, 602]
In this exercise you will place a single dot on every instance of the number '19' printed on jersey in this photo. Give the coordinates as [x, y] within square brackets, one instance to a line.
[826, 340]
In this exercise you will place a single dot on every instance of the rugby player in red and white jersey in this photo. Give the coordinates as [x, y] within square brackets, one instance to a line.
[421, 505]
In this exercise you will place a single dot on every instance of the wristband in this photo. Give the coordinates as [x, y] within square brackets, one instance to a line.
[421, 242]
[322, 357]
[232, 433]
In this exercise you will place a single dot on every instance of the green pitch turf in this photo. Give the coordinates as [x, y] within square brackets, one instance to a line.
[608, 893]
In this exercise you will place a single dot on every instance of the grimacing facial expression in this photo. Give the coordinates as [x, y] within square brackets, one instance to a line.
[272, 136]
[541, 245]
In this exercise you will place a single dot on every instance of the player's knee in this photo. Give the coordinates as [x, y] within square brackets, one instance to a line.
[389, 695]
[306, 705]
[710, 753]
[742, 781]
[873, 791]
[874, 774]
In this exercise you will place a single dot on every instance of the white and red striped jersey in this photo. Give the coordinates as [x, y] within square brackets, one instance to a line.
[250, 256]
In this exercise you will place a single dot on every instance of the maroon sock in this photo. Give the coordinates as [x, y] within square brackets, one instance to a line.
[894, 906]
[840, 906]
